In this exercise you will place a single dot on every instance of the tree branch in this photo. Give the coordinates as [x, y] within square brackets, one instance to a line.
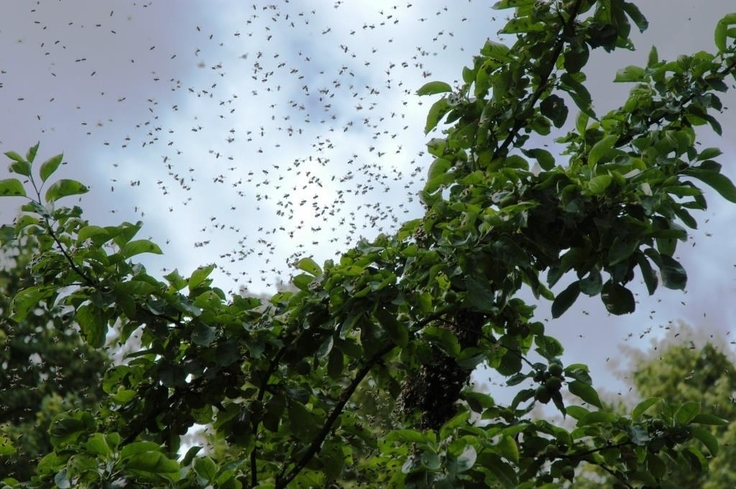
[345, 396]
[544, 79]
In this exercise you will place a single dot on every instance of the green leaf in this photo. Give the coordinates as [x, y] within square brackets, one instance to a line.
[308, 265]
[506, 4]
[6, 446]
[673, 274]
[64, 188]
[21, 168]
[135, 448]
[200, 275]
[11, 187]
[502, 471]
[630, 74]
[578, 93]
[653, 58]
[709, 419]
[519, 25]
[49, 166]
[577, 412]
[27, 300]
[154, 463]
[202, 334]
[31, 153]
[720, 183]
[592, 284]
[596, 417]
[706, 438]
[585, 392]
[435, 114]
[443, 338]
[621, 249]
[709, 154]
[687, 412]
[544, 158]
[548, 347]
[510, 363]
[97, 445]
[647, 272]
[642, 407]
[480, 294]
[600, 149]
[93, 325]
[721, 35]
[15, 157]
[635, 14]
[89, 232]
[554, 108]
[581, 123]
[434, 87]
[409, 436]
[139, 246]
[617, 299]
[495, 50]
[398, 332]
[205, 468]
[565, 299]
[599, 184]
[508, 448]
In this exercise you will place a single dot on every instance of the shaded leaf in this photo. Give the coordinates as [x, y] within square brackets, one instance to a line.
[398, 332]
[719, 182]
[707, 438]
[673, 274]
[709, 419]
[617, 299]
[565, 299]
[687, 412]
[642, 407]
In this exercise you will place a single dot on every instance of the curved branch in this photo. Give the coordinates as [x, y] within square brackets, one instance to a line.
[544, 79]
[345, 396]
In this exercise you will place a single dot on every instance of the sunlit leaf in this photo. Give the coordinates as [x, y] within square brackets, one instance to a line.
[139, 246]
[64, 188]
[434, 87]
[11, 187]
[49, 166]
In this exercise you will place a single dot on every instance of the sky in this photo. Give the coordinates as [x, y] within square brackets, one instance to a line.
[247, 134]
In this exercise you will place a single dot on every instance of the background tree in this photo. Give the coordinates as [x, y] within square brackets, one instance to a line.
[689, 368]
[47, 368]
[685, 367]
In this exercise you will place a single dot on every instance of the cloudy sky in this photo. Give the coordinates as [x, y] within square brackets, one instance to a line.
[246, 134]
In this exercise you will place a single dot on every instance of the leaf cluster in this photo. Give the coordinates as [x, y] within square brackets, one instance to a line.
[410, 315]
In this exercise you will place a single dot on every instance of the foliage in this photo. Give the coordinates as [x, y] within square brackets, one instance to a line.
[47, 369]
[689, 370]
[412, 314]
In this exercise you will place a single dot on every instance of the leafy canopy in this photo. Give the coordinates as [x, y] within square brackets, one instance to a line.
[410, 315]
